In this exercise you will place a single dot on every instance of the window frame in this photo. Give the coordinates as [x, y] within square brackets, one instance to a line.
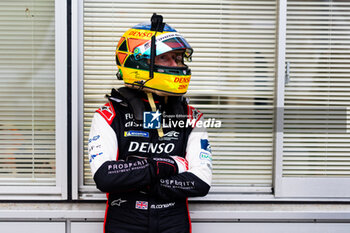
[299, 188]
[59, 190]
[280, 185]
[77, 99]
[84, 192]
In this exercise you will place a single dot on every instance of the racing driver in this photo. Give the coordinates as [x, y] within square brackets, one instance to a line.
[147, 168]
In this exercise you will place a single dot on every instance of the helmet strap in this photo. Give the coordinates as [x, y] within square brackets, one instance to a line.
[153, 55]
[157, 25]
[154, 109]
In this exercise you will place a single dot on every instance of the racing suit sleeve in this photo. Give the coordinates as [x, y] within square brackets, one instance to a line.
[196, 180]
[117, 176]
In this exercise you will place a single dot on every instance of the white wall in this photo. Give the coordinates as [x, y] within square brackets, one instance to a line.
[206, 218]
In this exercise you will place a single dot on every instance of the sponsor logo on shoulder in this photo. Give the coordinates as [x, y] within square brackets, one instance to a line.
[107, 112]
[135, 133]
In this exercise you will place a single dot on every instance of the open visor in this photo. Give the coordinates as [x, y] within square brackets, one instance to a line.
[164, 43]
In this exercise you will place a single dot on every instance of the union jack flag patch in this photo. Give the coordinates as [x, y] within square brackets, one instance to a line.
[143, 205]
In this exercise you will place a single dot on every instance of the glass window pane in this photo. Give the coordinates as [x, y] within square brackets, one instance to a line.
[233, 72]
[27, 92]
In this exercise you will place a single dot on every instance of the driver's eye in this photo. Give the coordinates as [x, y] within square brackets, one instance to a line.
[178, 59]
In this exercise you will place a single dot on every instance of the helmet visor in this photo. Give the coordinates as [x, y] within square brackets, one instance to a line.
[164, 43]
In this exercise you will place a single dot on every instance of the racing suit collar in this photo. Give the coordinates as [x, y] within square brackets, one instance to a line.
[135, 99]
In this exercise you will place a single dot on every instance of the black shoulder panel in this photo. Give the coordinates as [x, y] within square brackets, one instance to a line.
[134, 97]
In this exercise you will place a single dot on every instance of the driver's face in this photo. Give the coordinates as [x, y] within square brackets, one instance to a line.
[170, 59]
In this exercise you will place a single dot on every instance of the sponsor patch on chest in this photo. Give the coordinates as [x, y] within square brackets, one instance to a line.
[149, 147]
[136, 133]
[171, 135]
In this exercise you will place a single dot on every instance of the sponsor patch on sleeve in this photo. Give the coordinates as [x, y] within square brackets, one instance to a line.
[193, 114]
[107, 112]
[94, 156]
[94, 138]
[205, 145]
[205, 156]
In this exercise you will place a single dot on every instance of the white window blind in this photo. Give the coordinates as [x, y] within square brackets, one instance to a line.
[27, 100]
[316, 152]
[232, 76]
[31, 71]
